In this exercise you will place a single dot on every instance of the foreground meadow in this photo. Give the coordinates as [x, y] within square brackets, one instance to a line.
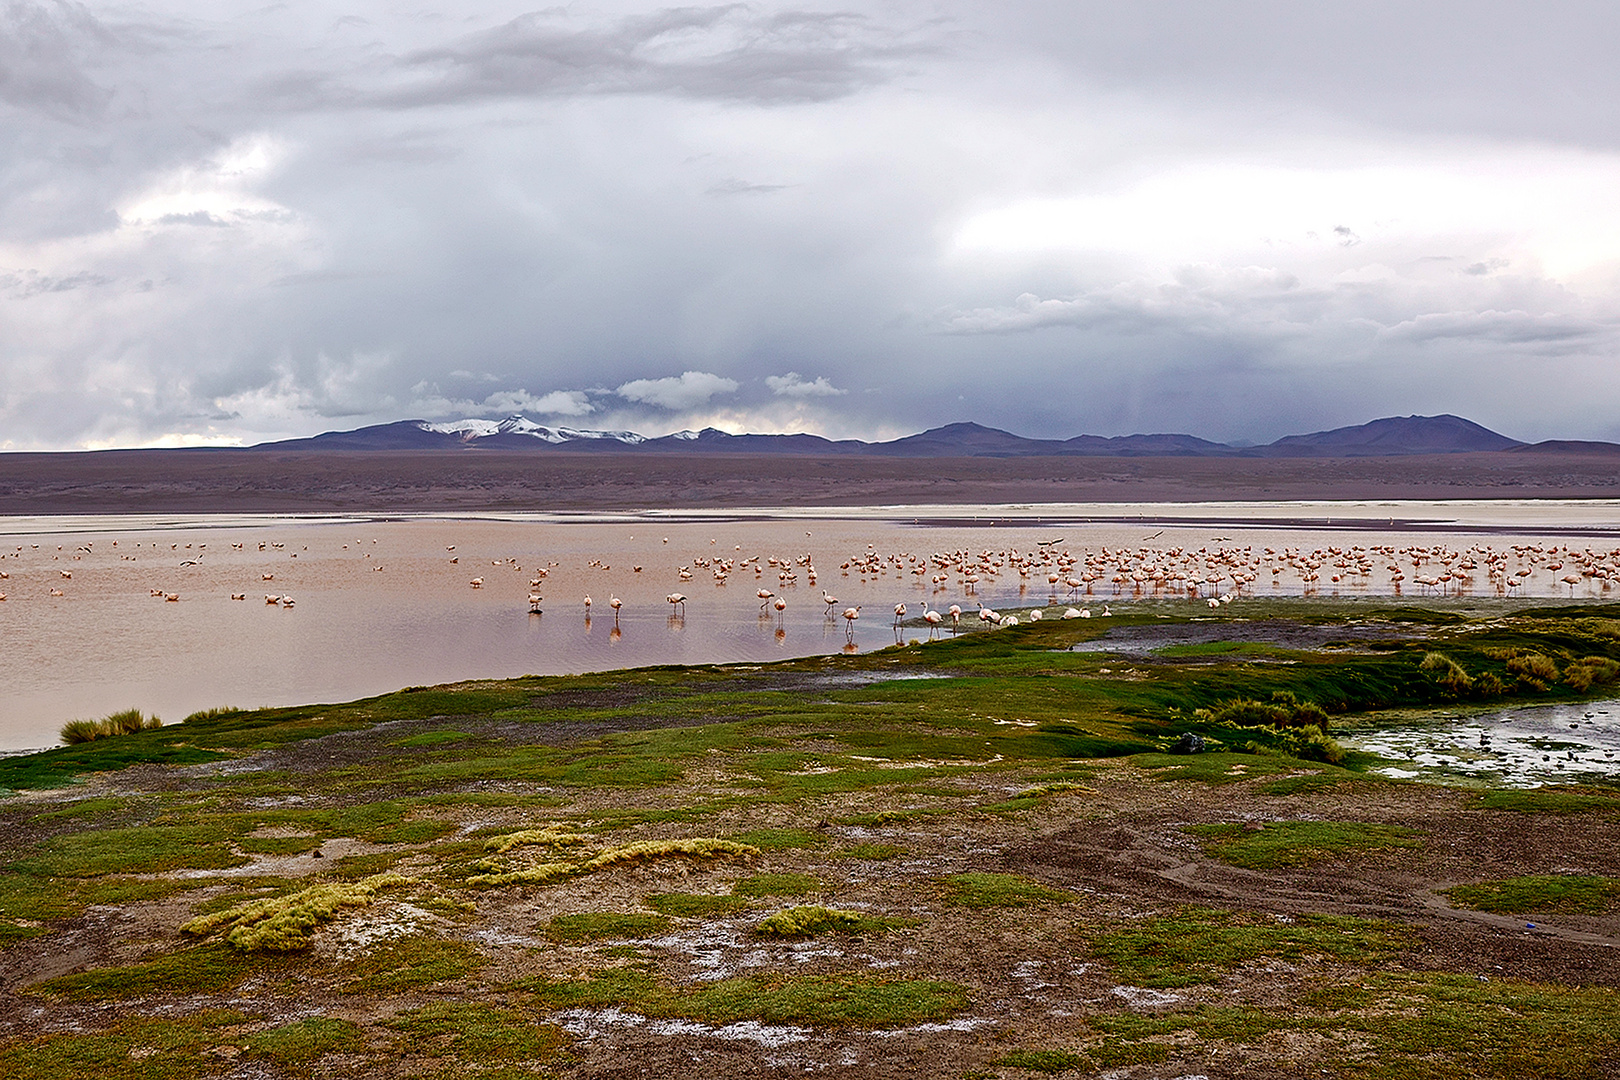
[964, 858]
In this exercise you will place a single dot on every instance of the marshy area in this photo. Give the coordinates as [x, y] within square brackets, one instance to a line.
[970, 857]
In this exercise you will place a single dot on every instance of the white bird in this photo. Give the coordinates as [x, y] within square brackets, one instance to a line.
[899, 613]
[829, 599]
[850, 615]
[534, 603]
[1072, 613]
[676, 600]
[477, 583]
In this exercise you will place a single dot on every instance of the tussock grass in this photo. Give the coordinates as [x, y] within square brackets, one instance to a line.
[698, 849]
[285, 923]
[552, 836]
[539, 874]
[808, 920]
[127, 722]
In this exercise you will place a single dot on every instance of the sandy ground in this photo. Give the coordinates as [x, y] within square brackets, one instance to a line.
[135, 481]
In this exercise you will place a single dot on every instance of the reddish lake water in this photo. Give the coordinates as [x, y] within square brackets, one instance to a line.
[380, 605]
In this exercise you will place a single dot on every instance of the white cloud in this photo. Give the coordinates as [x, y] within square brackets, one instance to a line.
[687, 391]
[791, 385]
[429, 402]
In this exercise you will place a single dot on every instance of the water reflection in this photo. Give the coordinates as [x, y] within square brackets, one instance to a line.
[1552, 744]
[385, 604]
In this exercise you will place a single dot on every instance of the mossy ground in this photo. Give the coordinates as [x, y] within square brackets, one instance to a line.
[995, 866]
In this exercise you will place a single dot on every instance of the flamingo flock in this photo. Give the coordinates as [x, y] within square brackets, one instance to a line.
[1074, 581]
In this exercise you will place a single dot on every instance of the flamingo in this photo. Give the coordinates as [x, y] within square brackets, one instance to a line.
[780, 605]
[850, 615]
[675, 600]
[956, 616]
[899, 613]
[932, 618]
[477, 583]
[765, 597]
[587, 606]
[534, 603]
[829, 599]
[615, 603]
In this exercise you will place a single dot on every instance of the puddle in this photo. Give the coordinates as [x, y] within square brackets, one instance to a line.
[1577, 742]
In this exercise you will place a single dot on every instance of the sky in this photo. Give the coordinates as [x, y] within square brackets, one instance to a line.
[228, 223]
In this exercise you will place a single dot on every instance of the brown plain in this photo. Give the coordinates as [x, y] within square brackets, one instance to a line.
[266, 481]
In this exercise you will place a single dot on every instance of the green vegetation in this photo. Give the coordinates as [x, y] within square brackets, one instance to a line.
[788, 884]
[695, 906]
[597, 925]
[432, 738]
[981, 890]
[1274, 844]
[1399, 1025]
[408, 964]
[132, 1048]
[812, 919]
[1553, 893]
[780, 839]
[1197, 945]
[285, 923]
[875, 852]
[297, 1045]
[196, 970]
[127, 722]
[960, 754]
[479, 1034]
[1051, 1062]
[818, 1000]
[1549, 800]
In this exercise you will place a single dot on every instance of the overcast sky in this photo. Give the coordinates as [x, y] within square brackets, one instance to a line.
[227, 222]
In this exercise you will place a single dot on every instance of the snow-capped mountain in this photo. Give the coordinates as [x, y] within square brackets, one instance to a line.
[518, 424]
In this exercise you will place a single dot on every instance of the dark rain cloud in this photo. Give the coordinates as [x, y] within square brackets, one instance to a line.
[252, 223]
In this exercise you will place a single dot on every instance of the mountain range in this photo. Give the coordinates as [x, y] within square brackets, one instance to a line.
[1387, 437]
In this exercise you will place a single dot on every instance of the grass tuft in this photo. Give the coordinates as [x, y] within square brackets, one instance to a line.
[811, 919]
[285, 923]
[76, 732]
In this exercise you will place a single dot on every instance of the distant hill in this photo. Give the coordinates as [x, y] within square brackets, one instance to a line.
[1445, 434]
[1388, 437]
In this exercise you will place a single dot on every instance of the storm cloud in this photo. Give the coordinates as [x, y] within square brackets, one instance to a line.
[230, 223]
